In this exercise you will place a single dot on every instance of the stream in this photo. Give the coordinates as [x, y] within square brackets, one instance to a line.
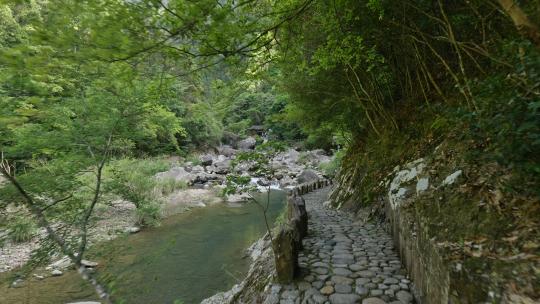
[191, 256]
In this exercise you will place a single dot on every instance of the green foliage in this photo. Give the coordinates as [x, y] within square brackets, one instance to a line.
[134, 181]
[331, 168]
[21, 229]
[259, 162]
[194, 159]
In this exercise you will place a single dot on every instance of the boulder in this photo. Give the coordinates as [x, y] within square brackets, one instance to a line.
[206, 160]
[56, 273]
[298, 216]
[286, 181]
[176, 173]
[226, 150]
[222, 167]
[307, 175]
[247, 144]
[286, 255]
[197, 169]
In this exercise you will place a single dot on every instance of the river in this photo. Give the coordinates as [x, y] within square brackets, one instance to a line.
[189, 257]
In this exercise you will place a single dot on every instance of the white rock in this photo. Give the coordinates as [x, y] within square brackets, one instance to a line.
[396, 192]
[422, 184]
[63, 263]
[133, 229]
[17, 283]
[87, 263]
[56, 273]
[450, 179]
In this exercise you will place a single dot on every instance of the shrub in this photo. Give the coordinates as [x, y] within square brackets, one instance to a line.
[22, 229]
[193, 159]
[134, 181]
[330, 168]
[169, 185]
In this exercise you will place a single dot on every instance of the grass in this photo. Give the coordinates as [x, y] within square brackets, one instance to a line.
[21, 229]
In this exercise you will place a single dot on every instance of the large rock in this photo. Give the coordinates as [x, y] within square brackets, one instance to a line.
[286, 254]
[226, 150]
[222, 167]
[296, 208]
[247, 144]
[291, 155]
[176, 173]
[197, 169]
[206, 160]
[307, 175]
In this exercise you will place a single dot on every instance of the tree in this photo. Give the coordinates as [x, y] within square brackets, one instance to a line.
[260, 163]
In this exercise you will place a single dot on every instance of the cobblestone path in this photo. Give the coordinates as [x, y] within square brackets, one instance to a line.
[344, 262]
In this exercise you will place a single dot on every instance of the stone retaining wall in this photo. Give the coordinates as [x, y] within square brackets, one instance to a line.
[425, 266]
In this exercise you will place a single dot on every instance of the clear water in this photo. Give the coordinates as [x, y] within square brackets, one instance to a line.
[191, 256]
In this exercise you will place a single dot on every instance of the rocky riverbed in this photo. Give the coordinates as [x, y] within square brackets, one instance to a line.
[205, 179]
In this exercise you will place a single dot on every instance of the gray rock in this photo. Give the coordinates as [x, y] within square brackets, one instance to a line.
[342, 280]
[376, 292]
[226, 150]
[340, 288]
[339, 298]
[272, 299]
[361, 290]
[403, 286]
[342, 272]
[307, 175]
[319, 299]
[366, 274]
[206, 160]
[247, 144]
[373, 301]
[290, 294]
[222, 167]
[304, 286]
[320, 270]
[390, 281]
[404, 296]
